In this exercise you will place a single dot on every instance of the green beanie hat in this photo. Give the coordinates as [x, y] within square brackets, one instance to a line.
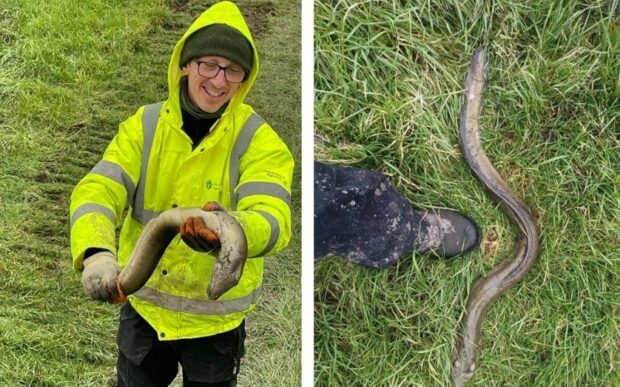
[218, 40]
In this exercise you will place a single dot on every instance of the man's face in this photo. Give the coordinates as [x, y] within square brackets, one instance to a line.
[210, 94]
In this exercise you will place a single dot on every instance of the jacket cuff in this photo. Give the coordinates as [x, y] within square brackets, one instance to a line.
[260, 228]
[91, 231]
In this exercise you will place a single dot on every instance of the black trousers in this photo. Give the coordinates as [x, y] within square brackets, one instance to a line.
[143, 360]
[359, 216]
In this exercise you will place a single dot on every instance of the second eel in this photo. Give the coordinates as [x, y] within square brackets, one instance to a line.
[512, 270]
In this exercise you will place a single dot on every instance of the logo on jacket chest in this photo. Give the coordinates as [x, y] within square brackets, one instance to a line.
[212, 185]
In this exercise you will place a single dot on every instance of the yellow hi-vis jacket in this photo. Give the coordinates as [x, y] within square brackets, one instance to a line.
[150, 167]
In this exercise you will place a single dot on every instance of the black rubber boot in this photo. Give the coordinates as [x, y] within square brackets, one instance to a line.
[445, 233]
[360, 217]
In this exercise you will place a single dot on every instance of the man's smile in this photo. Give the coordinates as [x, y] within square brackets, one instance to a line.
[213, 93]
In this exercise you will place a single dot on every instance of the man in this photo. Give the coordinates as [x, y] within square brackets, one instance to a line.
[201, 145]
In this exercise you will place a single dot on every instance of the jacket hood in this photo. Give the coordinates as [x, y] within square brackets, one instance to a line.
[224, 12]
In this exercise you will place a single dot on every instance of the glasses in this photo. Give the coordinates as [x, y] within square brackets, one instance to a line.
[211, 70]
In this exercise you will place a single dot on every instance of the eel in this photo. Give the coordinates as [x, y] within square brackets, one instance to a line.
[512, 270]
[160, 231]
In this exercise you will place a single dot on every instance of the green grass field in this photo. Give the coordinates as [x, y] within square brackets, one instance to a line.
[69, 74]
[389, 81]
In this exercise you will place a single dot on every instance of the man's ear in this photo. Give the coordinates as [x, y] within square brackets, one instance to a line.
[185, 69]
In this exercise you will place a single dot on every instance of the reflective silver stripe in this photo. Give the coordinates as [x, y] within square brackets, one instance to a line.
[188, 305]
[241, 146]
[145, 216]
[115, 172]
[275, 232]
[270, 189]
[92, 207]
[150, 116]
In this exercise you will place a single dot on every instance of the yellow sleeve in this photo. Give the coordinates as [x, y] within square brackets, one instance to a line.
[99, 199]
[264, 193]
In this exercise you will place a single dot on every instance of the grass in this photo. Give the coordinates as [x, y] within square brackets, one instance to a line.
[68, 76]
[389, 80]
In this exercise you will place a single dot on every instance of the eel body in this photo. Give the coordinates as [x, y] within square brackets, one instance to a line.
[512, 270]
[160, 231]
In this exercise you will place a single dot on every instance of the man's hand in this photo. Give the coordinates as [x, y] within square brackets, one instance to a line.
[197, 235]
[99, 276]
